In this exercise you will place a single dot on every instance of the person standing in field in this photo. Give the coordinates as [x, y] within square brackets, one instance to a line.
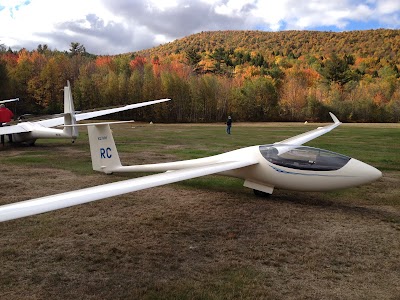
[6, 116]
[228, 125]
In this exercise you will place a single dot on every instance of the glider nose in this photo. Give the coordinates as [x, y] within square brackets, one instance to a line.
[364, 172]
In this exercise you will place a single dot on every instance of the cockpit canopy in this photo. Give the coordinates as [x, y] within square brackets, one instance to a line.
[303, 158]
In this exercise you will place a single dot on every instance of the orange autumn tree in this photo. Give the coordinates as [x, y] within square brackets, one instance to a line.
[293, 98]
[138, 63]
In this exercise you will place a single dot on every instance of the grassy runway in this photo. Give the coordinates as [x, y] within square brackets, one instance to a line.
[205, 238]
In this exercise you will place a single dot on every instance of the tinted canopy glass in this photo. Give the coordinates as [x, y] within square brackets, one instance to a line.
[304, 158]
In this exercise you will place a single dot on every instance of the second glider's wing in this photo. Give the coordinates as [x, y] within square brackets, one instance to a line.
[94, 114]
[9, 100]
[57, 121]
[13, 129]
[63, 200]
[89, 115]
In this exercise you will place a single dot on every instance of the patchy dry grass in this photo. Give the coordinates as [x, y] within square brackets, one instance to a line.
[206, 238]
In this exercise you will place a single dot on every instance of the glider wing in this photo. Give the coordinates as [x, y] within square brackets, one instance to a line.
[63, 200]
[13, 129]
[9, 100]
[89, 115]
[19, 128]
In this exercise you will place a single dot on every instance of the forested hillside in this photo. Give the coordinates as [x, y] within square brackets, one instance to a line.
[251, 75]
[369, 43]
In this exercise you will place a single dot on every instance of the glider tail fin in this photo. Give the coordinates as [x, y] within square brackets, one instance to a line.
[103, 151]
[69, 113]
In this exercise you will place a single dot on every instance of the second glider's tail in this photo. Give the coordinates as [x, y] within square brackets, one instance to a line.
[69, 113]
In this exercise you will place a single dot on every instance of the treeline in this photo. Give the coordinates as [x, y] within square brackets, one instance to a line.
[212, 75]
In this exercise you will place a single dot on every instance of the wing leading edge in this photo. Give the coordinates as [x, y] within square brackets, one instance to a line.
[63, 200]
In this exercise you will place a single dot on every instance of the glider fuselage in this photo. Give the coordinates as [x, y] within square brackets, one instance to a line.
[37, 131]
[300, 168]
[304, 173]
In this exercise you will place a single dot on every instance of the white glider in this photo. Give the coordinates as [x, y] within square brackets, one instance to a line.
[284, 165]
[29, 132]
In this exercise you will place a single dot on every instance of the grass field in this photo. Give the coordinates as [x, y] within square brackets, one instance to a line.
[205, 238]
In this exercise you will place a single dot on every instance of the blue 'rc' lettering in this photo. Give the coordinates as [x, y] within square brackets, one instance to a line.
[105, 152]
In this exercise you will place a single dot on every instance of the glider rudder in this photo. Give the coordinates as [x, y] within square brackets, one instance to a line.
[103, 151]
[69, 113]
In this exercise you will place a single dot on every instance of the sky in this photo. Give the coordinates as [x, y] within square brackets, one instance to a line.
[109, 27]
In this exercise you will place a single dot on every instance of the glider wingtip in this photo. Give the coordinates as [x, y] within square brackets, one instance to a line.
[334, 118]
